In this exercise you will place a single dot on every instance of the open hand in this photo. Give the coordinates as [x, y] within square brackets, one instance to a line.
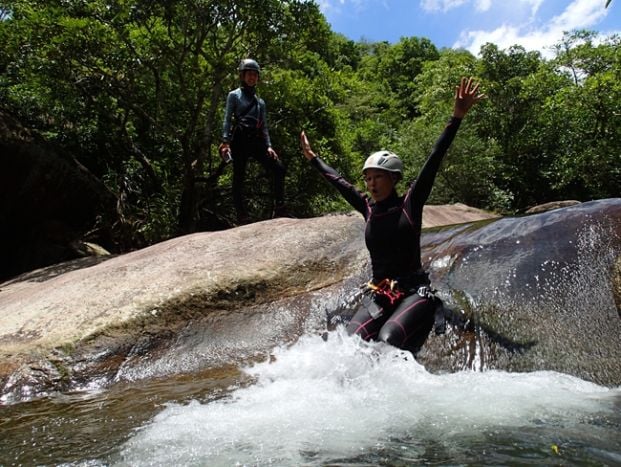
[271, 153]
[306, 148]
[466, 95]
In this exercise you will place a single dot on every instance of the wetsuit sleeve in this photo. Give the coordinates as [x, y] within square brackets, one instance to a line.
[263, 117]
[231, 103]
[419, 191]
[351, 194]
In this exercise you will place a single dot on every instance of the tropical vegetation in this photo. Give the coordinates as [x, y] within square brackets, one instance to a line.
[134, 90]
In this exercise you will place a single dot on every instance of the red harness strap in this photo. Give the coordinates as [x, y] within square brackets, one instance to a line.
[387, 288]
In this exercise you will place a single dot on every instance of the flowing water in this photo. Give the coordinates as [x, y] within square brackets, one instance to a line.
[329, 399]
[325, 400]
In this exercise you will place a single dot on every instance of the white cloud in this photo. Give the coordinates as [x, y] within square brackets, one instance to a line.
[440, 5]
[329, 5]
[502, 22]
[505, 36]
[535, 4]
[483, 5]
[479, 5]
[579, 14]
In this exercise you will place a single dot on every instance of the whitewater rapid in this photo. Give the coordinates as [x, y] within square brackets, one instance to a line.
[334, 397]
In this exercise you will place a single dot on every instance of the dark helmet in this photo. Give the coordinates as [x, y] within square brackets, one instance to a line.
[249, 64]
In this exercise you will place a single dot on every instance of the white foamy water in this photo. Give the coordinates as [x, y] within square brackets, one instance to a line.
[320, 401]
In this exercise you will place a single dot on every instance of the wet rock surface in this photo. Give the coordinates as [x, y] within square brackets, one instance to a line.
[209, 299]
[102, 322]
[539, 292]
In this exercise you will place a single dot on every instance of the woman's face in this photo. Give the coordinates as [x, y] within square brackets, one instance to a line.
[380, 183]
[250, 77]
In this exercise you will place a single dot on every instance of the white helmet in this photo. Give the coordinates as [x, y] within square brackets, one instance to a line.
[384, 160]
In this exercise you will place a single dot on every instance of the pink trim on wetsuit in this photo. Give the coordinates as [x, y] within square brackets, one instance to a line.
[363, 326]
[395, 319]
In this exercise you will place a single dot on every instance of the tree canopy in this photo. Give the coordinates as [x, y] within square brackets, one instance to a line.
[134, 90]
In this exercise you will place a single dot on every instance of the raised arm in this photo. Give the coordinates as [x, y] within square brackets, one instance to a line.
[351, 194]
[466, 95]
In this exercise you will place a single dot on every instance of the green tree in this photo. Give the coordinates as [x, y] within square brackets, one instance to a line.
[136, 88]
[511, 120]
[588, 109]
[396, 66]
[467, 173]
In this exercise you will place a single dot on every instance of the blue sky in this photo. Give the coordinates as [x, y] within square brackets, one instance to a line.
[468, 24]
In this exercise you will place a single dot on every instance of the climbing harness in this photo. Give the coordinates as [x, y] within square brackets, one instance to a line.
[439, 321]
[387, 288]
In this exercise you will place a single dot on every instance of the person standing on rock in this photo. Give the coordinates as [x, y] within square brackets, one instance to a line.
[245, 135]
[400, 306]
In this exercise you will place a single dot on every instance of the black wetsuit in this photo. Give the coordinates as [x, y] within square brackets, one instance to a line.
[392, 236]
[245, 128]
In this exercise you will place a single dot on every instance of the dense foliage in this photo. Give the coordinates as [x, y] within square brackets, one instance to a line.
[134, 90]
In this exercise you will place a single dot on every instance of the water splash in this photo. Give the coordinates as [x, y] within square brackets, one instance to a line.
[340, 399]
[546, 305]
[576, 276]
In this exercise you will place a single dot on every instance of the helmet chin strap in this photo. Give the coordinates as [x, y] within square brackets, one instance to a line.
[248, 89]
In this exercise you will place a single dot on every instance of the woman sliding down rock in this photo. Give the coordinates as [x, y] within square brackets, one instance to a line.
[400, 306]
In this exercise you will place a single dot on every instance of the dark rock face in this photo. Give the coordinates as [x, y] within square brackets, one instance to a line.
[47, 203]
[616, 284]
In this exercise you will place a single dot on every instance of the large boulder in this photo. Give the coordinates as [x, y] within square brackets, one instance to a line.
[533, 292]
[82, 320]
[540, 292]
[84, 323]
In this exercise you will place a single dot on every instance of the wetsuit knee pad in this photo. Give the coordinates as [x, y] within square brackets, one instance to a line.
[368, 320]
[410, 324]
[392, 334]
